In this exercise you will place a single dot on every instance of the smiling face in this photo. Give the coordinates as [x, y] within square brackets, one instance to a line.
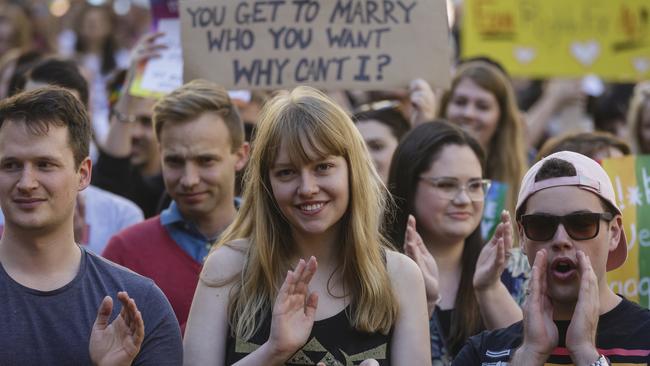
[439, 217]
[313, 196]
[199, 166]
[39, 179]
[381, 144]
[562, 274]
[474, 109]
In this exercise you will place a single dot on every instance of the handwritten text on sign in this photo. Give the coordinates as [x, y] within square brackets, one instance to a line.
[559, 38]
[335, 43]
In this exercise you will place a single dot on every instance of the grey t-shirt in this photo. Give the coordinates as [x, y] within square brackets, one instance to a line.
[53, 327]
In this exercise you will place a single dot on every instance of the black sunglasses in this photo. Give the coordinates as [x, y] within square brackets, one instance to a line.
[579, 226]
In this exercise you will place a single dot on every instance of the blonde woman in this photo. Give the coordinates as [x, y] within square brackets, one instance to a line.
[303, 276]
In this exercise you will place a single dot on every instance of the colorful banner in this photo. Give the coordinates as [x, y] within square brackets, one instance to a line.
[631, 178]
[495, 203]
[161, 75]
[560, 38]
[328, 44]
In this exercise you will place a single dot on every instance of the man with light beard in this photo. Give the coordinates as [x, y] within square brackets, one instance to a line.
[201, 142]
[571, 230]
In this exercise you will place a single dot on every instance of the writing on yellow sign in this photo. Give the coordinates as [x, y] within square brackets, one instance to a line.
[609, 38]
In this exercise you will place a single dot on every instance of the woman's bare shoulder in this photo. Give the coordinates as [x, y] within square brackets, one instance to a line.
[225, 262]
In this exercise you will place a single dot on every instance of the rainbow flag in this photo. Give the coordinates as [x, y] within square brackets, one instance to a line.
[630, 176]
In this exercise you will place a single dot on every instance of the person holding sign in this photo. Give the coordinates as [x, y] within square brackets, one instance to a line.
[481, 100]
[303, 274]
[436, 178]
[572, 231]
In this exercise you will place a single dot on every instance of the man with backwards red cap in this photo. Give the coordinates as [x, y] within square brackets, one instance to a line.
[571, 230]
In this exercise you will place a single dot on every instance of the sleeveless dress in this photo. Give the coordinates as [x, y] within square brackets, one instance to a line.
[332, 341]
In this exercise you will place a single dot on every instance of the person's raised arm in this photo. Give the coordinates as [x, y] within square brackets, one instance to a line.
[410, 343]
[498, 308]
[118, 141]
[207, 325]
[414, 247]
[423, 101]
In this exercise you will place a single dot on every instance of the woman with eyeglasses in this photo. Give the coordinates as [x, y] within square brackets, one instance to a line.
[436, 179]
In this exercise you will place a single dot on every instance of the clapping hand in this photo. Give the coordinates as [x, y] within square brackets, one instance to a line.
[540, 332]
[414, 247]
[294, 310]
[117, 343]
[493, 258]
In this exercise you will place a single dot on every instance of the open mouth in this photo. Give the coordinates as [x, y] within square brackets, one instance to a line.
[564, 268]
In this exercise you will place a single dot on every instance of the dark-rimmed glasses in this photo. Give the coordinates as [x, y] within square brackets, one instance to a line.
[448, 187]
[579, 225]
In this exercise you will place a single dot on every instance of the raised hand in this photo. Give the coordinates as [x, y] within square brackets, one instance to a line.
[423, 101]
[294, 310]
[119, 342]
[493, 258]
[414, 247]
[540, 332]
[581, 334]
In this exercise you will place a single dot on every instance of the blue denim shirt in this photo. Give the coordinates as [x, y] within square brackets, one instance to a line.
[186, 234]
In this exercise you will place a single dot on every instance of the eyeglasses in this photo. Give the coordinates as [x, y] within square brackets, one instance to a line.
[579, 226]
[448, 188]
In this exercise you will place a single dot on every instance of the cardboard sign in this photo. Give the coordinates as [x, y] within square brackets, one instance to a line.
[631, 178]
[329, 44]
[559, 38]
[161, 75]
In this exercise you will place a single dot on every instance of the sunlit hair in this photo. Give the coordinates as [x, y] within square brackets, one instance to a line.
[414, 156]
[506, 154]
[306, 120]
[192, 100]
[640, 101]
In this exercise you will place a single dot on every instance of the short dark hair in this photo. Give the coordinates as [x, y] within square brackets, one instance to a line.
[50, 106]
[391, 116]
[63, 73]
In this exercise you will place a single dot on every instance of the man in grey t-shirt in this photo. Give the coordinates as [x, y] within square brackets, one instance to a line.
[55, 297]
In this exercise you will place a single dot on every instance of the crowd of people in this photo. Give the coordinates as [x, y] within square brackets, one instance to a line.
[303, 227]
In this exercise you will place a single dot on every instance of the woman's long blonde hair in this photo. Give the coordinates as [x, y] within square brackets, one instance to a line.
[302, 120]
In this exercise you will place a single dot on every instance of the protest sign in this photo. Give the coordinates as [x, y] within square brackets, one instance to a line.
[631, 178]
[333, 44]
[161, 75]
[559, 38]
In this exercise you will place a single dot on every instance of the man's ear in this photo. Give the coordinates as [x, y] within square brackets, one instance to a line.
[85, 172]
[242, 156]
[616, 230]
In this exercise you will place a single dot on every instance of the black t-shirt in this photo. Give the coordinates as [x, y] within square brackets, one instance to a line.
[332, 341]
[623, 336]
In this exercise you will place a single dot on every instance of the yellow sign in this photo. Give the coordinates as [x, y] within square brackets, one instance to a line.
[560, 38]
